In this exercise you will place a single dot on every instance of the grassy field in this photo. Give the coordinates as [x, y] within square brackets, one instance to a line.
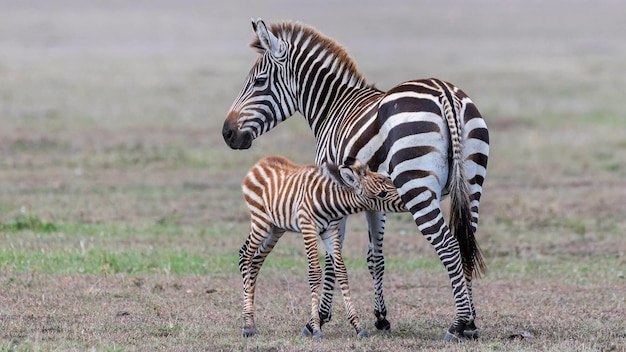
[121, 214]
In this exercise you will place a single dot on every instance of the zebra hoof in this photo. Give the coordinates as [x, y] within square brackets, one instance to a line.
[471, 334]
[307, 331]
[317, 335]
[363, 334]
[382, 324]
[249, 331]
[450, 337]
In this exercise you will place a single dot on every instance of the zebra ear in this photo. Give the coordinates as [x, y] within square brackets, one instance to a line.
[253, 25]
[267, 39]
[349, 177]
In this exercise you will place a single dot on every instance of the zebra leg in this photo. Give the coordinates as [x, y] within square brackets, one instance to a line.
[475, 156]
[252, 254]
[475, 167]
[476, 176]
[315, 281]
[376, 266]
[425, 208]
[333, 246]
[471, 331]
[326, 303]
[447, 248]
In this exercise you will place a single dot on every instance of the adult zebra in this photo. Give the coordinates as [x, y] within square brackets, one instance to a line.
[427, 135]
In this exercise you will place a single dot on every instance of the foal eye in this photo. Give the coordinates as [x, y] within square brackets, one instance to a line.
[259, 81]
[381, 194]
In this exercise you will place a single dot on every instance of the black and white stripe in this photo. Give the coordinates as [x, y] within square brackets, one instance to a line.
[427, 135]
[312, 200]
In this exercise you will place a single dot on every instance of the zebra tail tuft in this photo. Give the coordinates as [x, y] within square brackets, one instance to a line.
[461, 223]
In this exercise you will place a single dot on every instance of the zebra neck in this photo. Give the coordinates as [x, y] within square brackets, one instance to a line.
[335, 106]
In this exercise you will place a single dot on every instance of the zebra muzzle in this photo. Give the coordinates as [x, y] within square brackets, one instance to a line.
[235, 138]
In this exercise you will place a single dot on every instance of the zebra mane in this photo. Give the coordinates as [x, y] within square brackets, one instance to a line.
[289, 31]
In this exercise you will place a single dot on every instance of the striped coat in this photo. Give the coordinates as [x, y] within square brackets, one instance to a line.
[312, 200]
[426, 134]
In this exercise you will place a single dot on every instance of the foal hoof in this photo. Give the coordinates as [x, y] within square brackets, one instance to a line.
[471, 334]
[363, 334]
[249, 331]
[307, 331]
[450, 337]
[382, 324]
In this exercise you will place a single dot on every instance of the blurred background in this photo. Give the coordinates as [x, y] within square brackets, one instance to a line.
[87, 85]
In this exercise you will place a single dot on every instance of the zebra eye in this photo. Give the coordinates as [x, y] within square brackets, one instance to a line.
[382, 194]
[259, 81]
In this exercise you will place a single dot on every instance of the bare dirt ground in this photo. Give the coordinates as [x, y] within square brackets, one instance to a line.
[110, 120]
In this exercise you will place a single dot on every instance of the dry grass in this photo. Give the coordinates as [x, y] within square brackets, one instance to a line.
[121, 213]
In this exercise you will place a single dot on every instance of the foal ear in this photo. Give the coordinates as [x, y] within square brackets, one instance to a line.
[267, 40]
[349, 177]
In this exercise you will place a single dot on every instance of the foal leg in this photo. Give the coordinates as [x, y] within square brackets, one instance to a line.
[333, 246]
[375, 264]
[252, 254]
[326, 303]
[315, 281]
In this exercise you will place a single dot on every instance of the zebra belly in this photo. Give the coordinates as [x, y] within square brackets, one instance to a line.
[285, 222]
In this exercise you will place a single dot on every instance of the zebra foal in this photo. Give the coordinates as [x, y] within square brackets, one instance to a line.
[283, 196]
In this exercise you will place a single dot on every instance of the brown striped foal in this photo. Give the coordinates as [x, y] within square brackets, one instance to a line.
[312, 200]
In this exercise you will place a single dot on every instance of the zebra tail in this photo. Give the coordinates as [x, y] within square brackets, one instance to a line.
[460, 202]
[461, 222]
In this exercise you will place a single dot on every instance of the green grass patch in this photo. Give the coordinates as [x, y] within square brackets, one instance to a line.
[33, 245]
[23, 223]
[99, 261]
[31, 229]
[166, 330]
[124, 155]
[429, 263]
[575, 269]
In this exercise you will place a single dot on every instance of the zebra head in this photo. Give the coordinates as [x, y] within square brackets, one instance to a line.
[265, 99]
[375, 190]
